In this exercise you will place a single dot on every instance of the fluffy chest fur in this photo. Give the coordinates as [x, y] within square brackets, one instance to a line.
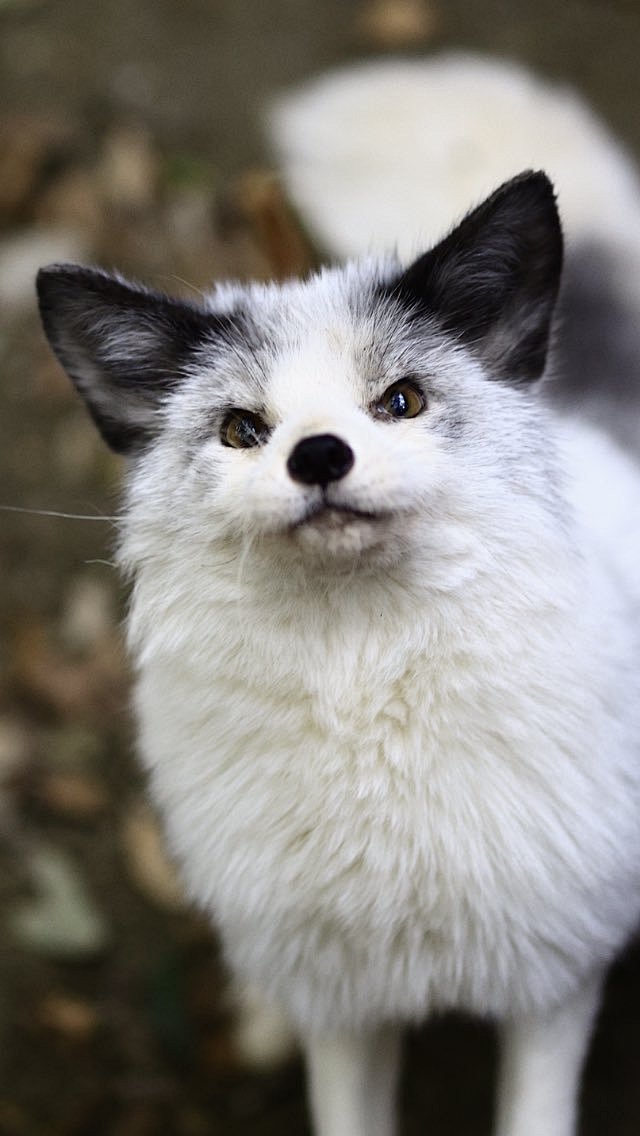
[405, 786]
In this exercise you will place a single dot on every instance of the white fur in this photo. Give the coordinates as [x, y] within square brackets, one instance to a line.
[388, 154]
[398, 759]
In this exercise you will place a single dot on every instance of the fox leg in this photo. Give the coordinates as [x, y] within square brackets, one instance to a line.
[352, 1083]
[542, 1059]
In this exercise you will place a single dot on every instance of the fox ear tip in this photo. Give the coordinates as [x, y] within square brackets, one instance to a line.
[65, 270]
[531, 177]
[50, 275]
[535, 189]
[63, 282]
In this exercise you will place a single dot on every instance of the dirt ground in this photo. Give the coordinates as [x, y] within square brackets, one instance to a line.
[130, 136]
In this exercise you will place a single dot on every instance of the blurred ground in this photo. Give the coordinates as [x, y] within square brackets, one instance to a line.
[129, 136]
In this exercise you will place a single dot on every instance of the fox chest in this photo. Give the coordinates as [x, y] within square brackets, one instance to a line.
[364, 807]
[381, 841]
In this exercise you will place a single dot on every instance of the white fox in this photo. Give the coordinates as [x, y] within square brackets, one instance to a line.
[385, 606]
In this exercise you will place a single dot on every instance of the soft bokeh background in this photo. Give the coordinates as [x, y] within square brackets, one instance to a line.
[130, 136]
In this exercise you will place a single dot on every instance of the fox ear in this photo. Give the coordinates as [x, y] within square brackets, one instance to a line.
[123, 346]
[493, 281]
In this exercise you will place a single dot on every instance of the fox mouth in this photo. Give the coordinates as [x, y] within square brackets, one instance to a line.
[331, 515]
[340, 535]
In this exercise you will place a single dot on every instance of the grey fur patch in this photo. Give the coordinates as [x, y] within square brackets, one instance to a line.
[596, 353]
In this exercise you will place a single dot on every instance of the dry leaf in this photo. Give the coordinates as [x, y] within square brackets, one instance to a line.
[77, 796]
[260, 201]
[395, 24]
[147, 860]
[27, 144]
[94, 687]
[73, 1018]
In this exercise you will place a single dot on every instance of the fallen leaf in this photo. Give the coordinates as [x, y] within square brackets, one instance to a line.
[93, 687]
[77, 796]
[258, 199]
[147, 861]
[395, 24]
[16, 751]
[72, 1018]
[27, 145]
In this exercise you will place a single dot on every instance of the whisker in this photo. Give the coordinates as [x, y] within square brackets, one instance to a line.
[56, 513]
[248, 540]
[187, 284]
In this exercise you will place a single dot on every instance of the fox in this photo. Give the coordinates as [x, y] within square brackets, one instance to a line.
[381, 527]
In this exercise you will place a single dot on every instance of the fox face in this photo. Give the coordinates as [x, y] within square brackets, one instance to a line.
[337, 419]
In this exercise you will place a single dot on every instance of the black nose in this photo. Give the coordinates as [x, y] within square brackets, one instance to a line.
[320, 459]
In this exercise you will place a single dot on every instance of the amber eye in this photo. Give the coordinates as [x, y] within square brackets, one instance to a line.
[242, 429]
[402, 400]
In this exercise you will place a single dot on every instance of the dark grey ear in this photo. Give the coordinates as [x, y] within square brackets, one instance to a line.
[124, 346]
[493, 281]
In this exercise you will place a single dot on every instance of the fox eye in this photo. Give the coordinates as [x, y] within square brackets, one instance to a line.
[242, 429]
[402, 400]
